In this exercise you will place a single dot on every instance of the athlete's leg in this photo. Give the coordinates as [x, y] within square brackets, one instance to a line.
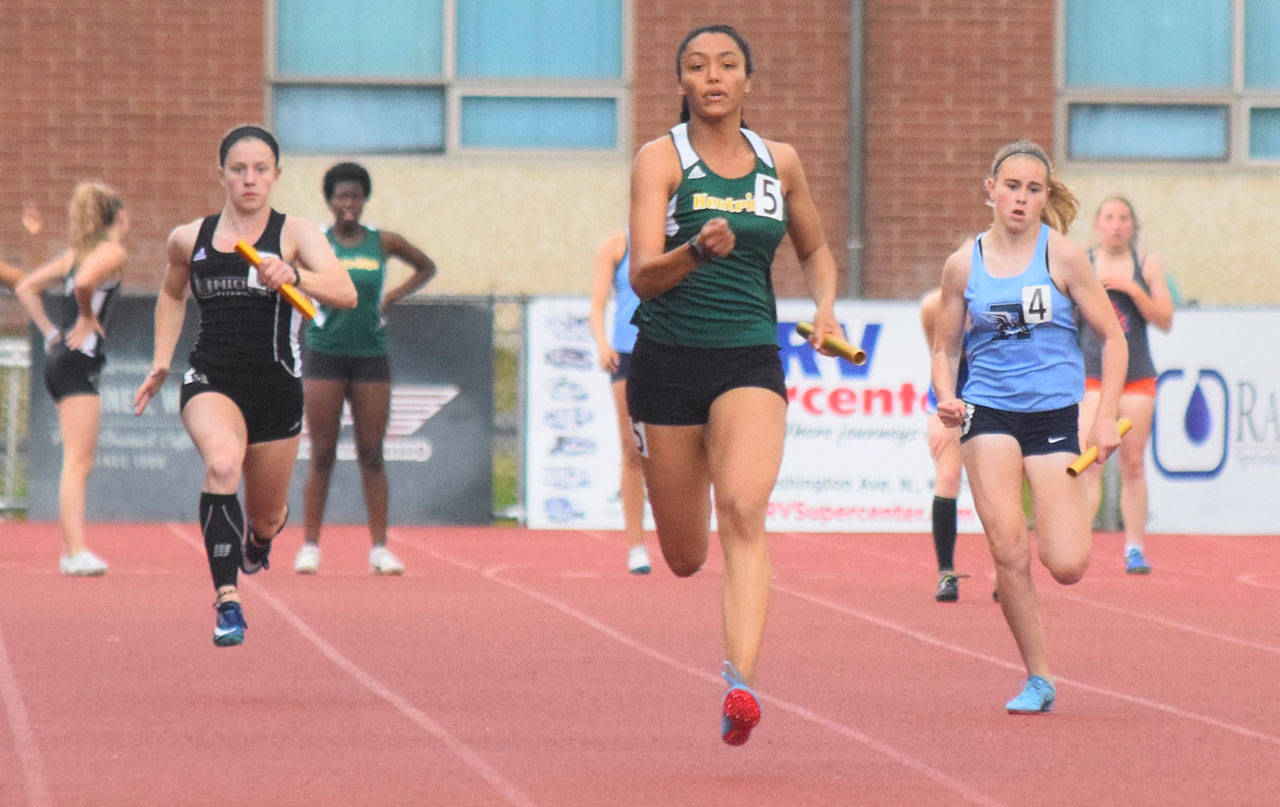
[631, 478]
[78, 422]
[1140, 409]
[744, 445]
[1063, 525]
[218, 431]
[994, 465]
[1091, 477]
[944, 447]
[268, 467]
[370, 409]
[322, 407]
[678, 483]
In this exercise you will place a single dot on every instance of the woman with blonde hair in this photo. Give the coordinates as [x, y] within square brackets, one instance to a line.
[1019, 287]
[1139, 291]
[74, 338]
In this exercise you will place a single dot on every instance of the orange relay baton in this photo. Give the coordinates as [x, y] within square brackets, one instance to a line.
[1090, 454]
[846, 351]
[296, 298]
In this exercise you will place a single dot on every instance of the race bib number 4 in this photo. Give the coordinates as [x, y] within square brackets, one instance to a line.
[1037, 305]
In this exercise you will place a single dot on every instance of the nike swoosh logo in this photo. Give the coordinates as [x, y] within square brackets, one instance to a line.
[224, 631]
[1056, 439]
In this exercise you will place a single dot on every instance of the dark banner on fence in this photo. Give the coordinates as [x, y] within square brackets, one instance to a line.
[438, 450]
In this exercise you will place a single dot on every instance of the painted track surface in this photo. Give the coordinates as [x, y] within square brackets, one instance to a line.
[517, 667]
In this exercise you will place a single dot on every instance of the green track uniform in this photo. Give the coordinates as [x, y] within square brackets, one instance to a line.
[358, 331]
[725, 302]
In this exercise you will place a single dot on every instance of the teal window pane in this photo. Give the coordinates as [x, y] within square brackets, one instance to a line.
[400, 39]
[1147, 132]
[359, 119]
[1262, 44]
[543, 39]
[1154, 44]
[1264, 133]
[539, 123]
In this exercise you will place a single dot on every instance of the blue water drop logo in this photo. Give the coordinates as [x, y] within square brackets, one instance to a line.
[1197, 421]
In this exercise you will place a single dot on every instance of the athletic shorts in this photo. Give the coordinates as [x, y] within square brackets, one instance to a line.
[624, 367]
[331, 367]
[675, 385]
[69, 372]
[1138, 386]
[1050, 432]
[270, 400]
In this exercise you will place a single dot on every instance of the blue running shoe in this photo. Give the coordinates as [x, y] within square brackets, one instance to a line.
[1036, 697]
[254, 557]
[229, 629]
[1135, 563]
[741, 710]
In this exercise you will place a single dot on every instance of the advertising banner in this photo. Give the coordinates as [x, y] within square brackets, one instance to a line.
[856, 457]
[438, 448]
[1213, 465]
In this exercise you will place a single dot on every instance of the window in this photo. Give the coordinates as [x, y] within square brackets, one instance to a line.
[448, 75]
[1156, 80]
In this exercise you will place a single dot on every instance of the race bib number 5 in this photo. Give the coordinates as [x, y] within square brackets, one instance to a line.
[768, 197]
[1037, 305]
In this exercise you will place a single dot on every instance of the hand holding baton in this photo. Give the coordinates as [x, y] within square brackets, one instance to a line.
[846, 351]
[296, 298]
[1090, 454]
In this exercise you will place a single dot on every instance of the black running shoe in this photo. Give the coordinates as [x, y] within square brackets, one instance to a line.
[948, 587]
[254, 557]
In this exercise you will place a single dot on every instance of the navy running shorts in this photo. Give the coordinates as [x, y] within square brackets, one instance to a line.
[1049, 432]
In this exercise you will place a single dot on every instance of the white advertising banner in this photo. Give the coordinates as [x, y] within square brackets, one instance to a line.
[856, 456]
[1213, 465]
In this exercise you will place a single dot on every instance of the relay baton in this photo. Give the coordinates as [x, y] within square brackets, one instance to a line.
[1091, 453]
[846, 351]
[296, 298]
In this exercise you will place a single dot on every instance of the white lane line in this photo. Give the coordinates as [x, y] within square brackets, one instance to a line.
[24, 739]
[493, 573]
[925, 638]
[1058, 591]
[509, 792]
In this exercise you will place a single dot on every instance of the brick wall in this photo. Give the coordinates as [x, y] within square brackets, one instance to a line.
[136, 94]
[947, 83]
[799, 92]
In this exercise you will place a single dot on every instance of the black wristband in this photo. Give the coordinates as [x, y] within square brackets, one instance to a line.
[297, 276]
[696, 249]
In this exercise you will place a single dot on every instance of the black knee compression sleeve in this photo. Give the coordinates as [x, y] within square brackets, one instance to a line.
[944, 532]
[222, 522]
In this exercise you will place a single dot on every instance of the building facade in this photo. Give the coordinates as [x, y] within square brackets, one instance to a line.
[499, 135]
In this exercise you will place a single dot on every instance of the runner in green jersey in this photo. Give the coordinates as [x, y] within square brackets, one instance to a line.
[709, 204]
[347, 360]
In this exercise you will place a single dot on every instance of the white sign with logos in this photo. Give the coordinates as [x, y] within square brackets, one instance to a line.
[856, 457]
[1213, 465]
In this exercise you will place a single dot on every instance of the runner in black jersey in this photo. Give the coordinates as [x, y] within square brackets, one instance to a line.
[709, 204]
[74, 335]
[1139, 291]
[242, 396]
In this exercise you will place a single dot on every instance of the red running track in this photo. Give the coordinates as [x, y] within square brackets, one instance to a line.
[510, 667]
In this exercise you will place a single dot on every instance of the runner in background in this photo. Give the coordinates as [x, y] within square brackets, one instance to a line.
[612, 275]
[1137, 286]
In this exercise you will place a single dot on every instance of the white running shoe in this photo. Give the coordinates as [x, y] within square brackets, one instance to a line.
[383, 561]
[638, 560]
[307, 561]
[82, 564]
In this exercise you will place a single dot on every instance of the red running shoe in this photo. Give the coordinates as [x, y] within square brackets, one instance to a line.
[741, 710]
